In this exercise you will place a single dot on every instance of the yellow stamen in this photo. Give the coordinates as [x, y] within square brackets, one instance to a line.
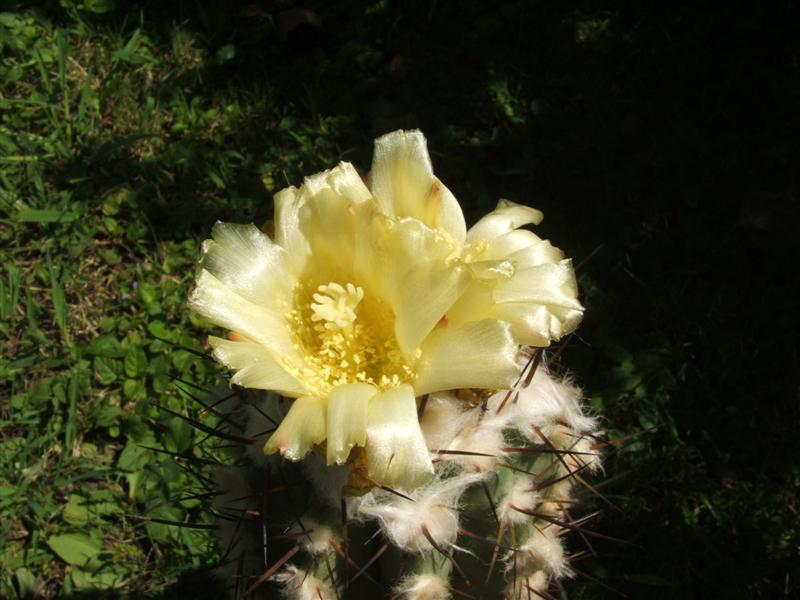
[344, 336]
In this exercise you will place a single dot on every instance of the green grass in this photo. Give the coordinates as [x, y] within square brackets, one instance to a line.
[660, 145]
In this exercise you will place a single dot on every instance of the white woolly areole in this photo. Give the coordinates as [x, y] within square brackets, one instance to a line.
[542, 551]
[583, 456]
[435, 507]
[521, 495]
[481, 435]
[423, 587]
[547, 401]
[314, 537]
[302, 585]
[443, 418]
[537, 582]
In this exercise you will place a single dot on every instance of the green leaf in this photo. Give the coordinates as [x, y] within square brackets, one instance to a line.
[96, 580]
[135, 362]
[34, 215]
[134, 389]
[225, 53]
[107, 369]
[181, 359]
[80, 509]
[75, 512]
[74, 548]
[106, 345]
[26, 581]
[179, 435]
[148, 292]
[98, 7]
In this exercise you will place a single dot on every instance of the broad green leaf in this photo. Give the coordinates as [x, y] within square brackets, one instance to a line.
[107, 369]
[106, 345]
[134, 389]
[135, 362]
[74, 548]
[103, 579]
[179, 435]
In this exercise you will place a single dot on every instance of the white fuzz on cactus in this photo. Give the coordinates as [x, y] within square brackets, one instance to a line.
[522, 495]
[417, 445]
[530, 586]
[542, 551]
[430, 513]
[423, 587]
[297, 584]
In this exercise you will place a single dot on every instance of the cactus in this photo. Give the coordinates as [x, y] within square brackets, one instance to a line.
[401, 433]
[490, 523]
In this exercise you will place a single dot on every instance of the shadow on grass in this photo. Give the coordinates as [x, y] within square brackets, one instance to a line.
[191, 585]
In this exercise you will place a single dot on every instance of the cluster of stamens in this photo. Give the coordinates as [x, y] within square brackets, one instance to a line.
[344, 338]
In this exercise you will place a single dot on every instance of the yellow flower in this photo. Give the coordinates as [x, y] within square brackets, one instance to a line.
[371, 297]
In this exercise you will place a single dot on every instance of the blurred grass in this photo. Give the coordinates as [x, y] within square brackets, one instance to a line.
[662, 145]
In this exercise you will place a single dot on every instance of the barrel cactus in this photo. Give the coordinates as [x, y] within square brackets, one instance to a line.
[399, 429]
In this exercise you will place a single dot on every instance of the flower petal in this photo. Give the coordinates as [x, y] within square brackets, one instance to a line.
[549, 284]
[537, 324]
[301, 428]
[248, 262]
[406, 263]
[264, 324]
[404, 185]
[506, 217]
[347, 419]
[306, 218]
[396, 452]
[535, 254]
[479, 354]
[255, 367]
[509, 243]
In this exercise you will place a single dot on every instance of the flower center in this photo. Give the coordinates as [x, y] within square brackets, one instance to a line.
[336, 305]
[344, 336]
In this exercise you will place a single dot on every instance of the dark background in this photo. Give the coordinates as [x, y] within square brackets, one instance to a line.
[661, 142]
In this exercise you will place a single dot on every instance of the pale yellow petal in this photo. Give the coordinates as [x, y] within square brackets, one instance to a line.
[537, 324]
[396, 452]
[474, 304]
[506, 217]
[404, 185]
[302, 427]
[507, 244]
[244, 259]
[255, 367]
[319, 218]
[264, 324]
[536, 254]
[479, 354]
[406, 263]
[549, 284]
[347, 419]
[288, 235]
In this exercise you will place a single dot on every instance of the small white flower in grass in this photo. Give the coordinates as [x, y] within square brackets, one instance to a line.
[368, 298]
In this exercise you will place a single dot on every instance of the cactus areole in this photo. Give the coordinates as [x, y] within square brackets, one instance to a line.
[369, 297]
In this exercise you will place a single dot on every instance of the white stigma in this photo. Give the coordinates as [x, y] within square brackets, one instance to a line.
[336, 305]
